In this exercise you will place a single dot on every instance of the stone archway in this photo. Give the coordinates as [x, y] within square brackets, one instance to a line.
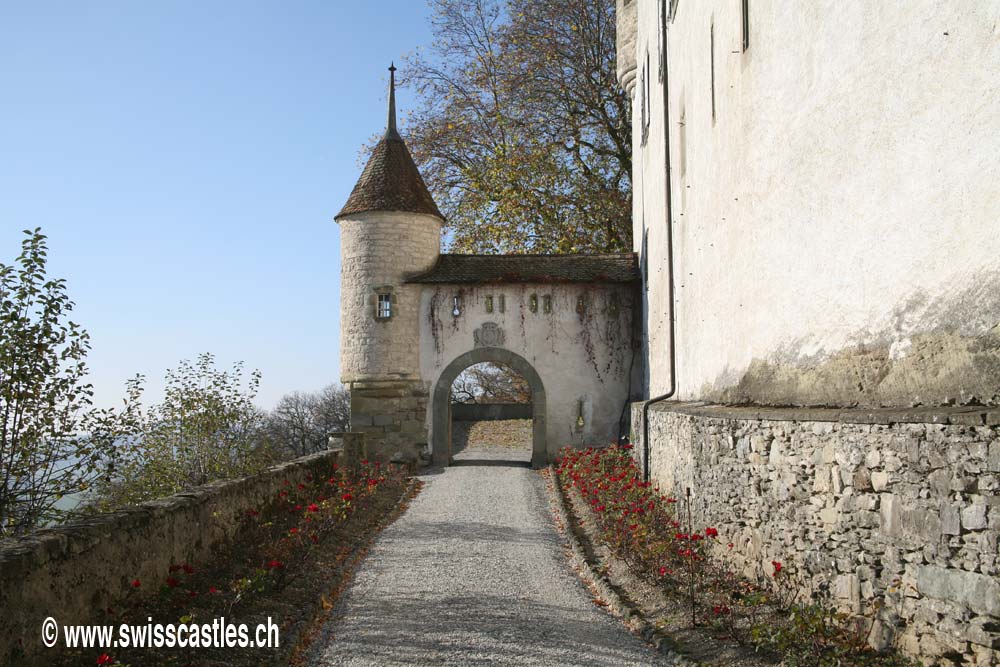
[441, 397]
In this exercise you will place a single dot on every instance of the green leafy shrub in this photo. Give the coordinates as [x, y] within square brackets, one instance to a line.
[206, 428]
[51, 441]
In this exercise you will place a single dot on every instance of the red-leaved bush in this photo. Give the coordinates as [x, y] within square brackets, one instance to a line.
[638, 522]
[659, 541]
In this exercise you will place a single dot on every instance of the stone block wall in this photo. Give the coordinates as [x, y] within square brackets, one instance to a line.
[860, 502]
[392, 416]
[73, 571]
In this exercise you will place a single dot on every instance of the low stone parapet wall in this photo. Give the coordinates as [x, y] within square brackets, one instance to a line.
[900, 507]
[74, 571]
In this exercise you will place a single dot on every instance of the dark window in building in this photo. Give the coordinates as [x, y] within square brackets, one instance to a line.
[383, 308]
[682, 143]
[746, 24]
[501, 303]
[661, 36]
[489, 304]
[533, 303]
[644, 99]
[711, 42]
[547, 303]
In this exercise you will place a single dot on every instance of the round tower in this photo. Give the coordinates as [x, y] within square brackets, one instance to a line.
[390, 228]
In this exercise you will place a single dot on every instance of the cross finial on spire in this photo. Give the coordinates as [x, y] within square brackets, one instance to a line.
[390, 129]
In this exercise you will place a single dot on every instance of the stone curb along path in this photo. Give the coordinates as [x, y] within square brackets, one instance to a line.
[475, 573]
[601, 586]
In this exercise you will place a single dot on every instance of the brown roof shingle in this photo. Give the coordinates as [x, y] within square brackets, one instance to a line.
[390, 182]
[604, 268]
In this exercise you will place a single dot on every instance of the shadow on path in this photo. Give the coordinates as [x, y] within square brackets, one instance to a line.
[474, 574]
[491, 463]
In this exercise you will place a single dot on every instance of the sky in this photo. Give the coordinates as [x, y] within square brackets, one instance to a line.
[185, 160]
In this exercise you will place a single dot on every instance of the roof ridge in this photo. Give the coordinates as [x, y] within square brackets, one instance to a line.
[629, 253]
[460, 268]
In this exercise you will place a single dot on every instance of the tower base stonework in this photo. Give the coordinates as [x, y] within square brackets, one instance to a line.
[392, 413]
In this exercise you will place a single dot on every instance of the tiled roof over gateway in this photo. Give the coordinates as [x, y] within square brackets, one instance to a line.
[606, 268]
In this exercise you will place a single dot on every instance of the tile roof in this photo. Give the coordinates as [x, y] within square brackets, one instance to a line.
[603, 268]
[390, 182]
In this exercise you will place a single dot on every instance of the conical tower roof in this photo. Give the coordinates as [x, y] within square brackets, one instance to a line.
[391, 181]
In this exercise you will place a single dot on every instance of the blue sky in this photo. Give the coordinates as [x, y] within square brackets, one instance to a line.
[186, 160]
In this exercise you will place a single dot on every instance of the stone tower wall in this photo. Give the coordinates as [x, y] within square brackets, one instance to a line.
[379, 359]
[626, 31]
[377, 250]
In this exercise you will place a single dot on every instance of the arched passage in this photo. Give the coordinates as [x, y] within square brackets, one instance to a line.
[441, 401]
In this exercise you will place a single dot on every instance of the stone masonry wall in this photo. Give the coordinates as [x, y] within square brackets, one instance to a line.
[391, 414]
[860, 501]
[73, 571]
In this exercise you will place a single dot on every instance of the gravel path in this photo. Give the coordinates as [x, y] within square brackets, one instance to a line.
[474, 574]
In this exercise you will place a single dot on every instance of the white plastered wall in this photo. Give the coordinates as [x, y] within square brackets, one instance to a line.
[584, 357]
[842, 209]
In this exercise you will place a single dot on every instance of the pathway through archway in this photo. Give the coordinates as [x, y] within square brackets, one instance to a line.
[442, 445]
[474, 573]
[490, 416]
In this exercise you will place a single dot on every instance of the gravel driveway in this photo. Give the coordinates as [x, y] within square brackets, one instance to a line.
[474, 574]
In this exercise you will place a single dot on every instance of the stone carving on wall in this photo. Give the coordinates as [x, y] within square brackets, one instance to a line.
[488, 335]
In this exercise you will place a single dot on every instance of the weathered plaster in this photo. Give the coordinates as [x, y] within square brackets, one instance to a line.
[625, 16]
[577, 344]
[581, 358]
[940, 351]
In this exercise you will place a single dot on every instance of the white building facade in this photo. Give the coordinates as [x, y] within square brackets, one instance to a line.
[817, 215]
[833, 196]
